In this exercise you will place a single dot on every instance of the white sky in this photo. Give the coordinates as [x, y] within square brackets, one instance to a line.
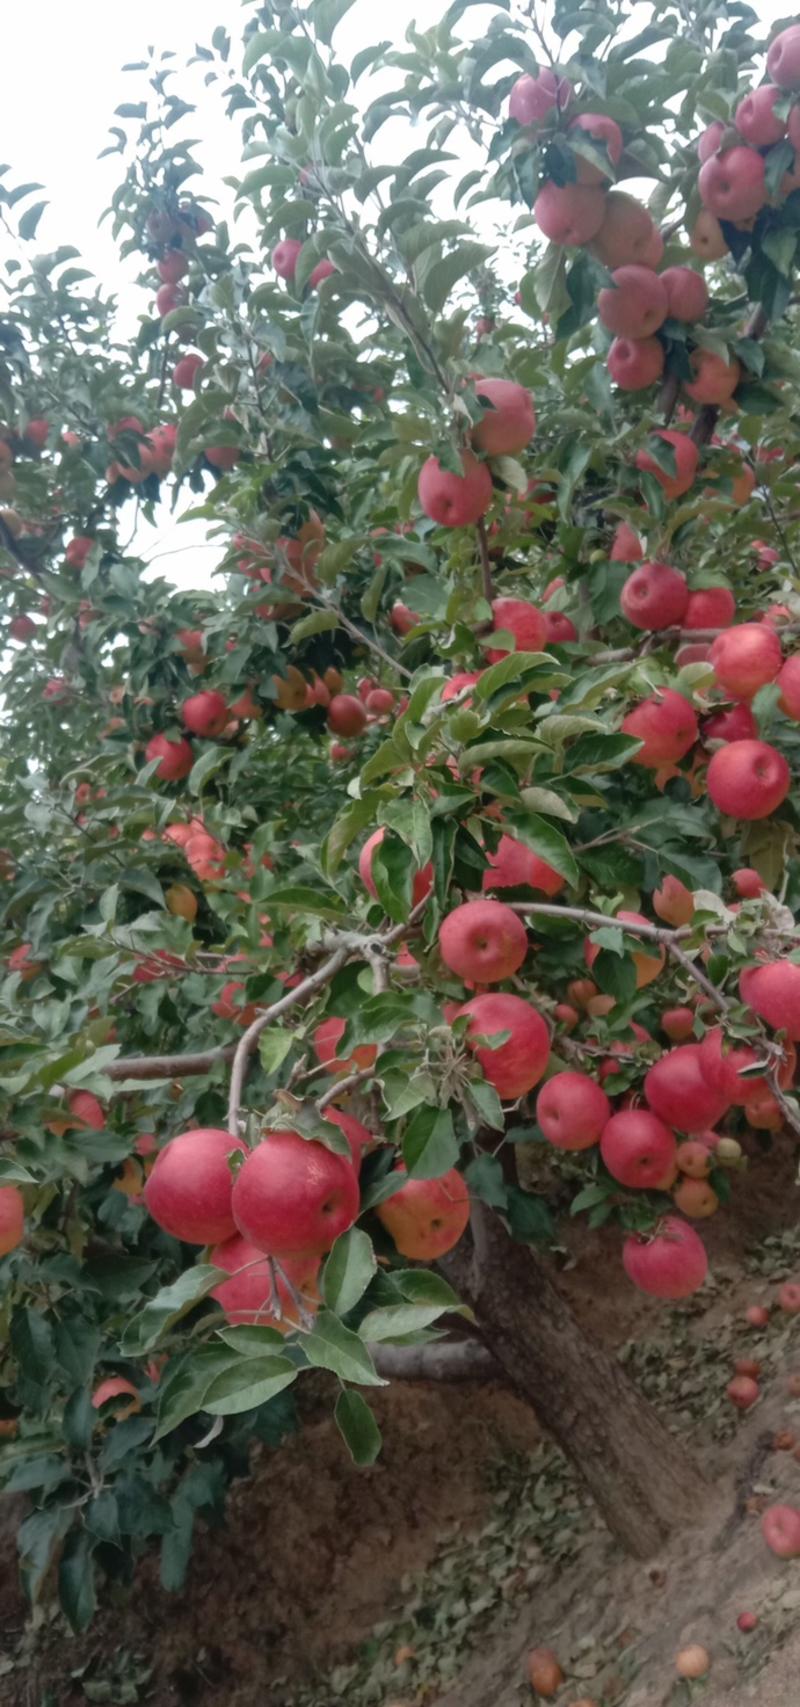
[62, 81]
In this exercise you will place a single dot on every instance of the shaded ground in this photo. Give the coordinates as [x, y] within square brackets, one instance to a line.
[427, 1578]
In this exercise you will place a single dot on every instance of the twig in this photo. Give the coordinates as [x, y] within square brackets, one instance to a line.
[306, 987]
[666, 636]
[342, 1085]
[486, 566]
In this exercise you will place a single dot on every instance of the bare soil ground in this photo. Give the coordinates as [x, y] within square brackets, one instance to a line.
[424, 1581]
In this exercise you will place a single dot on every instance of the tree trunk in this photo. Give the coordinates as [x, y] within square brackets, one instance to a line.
[635, 1470]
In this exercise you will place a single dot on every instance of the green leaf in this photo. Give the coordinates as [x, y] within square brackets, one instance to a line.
[319, 622]
[324, 904]
[37, 1540]
[348, 1271]
[485, 1179]
[358, 1428]
[102, 1517]
[445, 274]
[248, 1383]
[430, 1146]
[79, 1419]
[332, 1346]
[76, 1590]
[346, 827]
[32, 1344]
[273, 1047]
[172, 1302]
[30, 220]
[395, 1321]
[528, 1217]
[209, 763]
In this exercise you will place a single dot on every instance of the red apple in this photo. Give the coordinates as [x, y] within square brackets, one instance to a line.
[670, 1264]
[455, 500]
[783, 59]
[560, 628]
[686, 460]
[323, 270]
[715, 380]
[189, 1190]
[427, 1217]
[185, 372]
[248, 1296]
[77, 551]
[789, 1297]
[169, 296]
[772, 991]
[510, 419]
[572, 1111]
[667, 726]
[738, 724]
[732, 185]
[483, 942]
[626, 234]
[748, 883]
[638, 1149]
[293, 1196]
[746, 657]
[780, 1527]
[605, 132]
[686, 292]
[681, 1091]
[205, 713]
[710, 607]
[326, 1038]
[516, 1065]
[789, 683]
[636, 303]
[748, 779]
[117, 1387]
[522, 619]
[655, 596]
[534, 98]
[512, 865]
[285, 257]
[12, 1219]
[346, 715]
[678, 1023]
[627, 546]
[635, 363]
[423, 879]
[176, 757]
[570, 215]
[673, 902]
[756, 120]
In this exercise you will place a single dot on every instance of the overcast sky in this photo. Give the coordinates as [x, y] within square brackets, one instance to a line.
[63, 79]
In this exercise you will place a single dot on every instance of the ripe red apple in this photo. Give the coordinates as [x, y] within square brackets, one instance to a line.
[326, 1037]
[635, 304]
[678, 1023]
[710, 607]
[560, 628]
[379, 702]
[756, 120]
[455, 500]
[510, 420]
[694, 1159]
[512, 865]
[248, 1297]
[402, 619]
[637, 1148]
[358, 1136]
[627, 546]
[635, 363]
[732, 185]
[709, 142]
[173, 266]
[715, 380]
[423, 879]
[789, 1297]
[681, 1092]
[534, 98]
[185, 372]
[783, 59]
[544, 1672]
[228, 1005]
[625, 236]
[747, 1621]
[748, 779]
[605, 132]
[323, 270]
[686, 460]
[572, 1111]
[654, 596]
[427, 1217]
[516, 1065]
[189, 1190]
[285, 257]
[12, 1219]
[686, 292]
[748, 883]
[37, 432]
[87, 1110]
[293, 1196]
[746, 657]
[176, 757]
[673, 902]
[772, 990]
[205, 713]
[570, 215]
[789, 683]
[169, 296]
[117, 1387]
[346, 715]
[522, 619]
[780, 1527]
[757, 1315]
[737, 724]
[77, 551]
[22, 628]
[483, 942]
[670, 1264]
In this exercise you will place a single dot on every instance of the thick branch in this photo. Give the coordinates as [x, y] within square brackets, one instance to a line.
[306, 987]
[459, 1360]
[168, 1066]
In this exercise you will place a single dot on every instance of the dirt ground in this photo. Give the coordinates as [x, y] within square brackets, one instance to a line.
[424, 1581]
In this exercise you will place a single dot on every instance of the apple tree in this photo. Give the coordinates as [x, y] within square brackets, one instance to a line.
[432, 881]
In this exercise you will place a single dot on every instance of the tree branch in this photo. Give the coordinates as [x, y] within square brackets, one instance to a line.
[486, 566]
[441, 1360]
[306, 987]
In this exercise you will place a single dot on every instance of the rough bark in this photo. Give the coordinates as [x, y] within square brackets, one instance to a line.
[635, 1470]
[446, 1360]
